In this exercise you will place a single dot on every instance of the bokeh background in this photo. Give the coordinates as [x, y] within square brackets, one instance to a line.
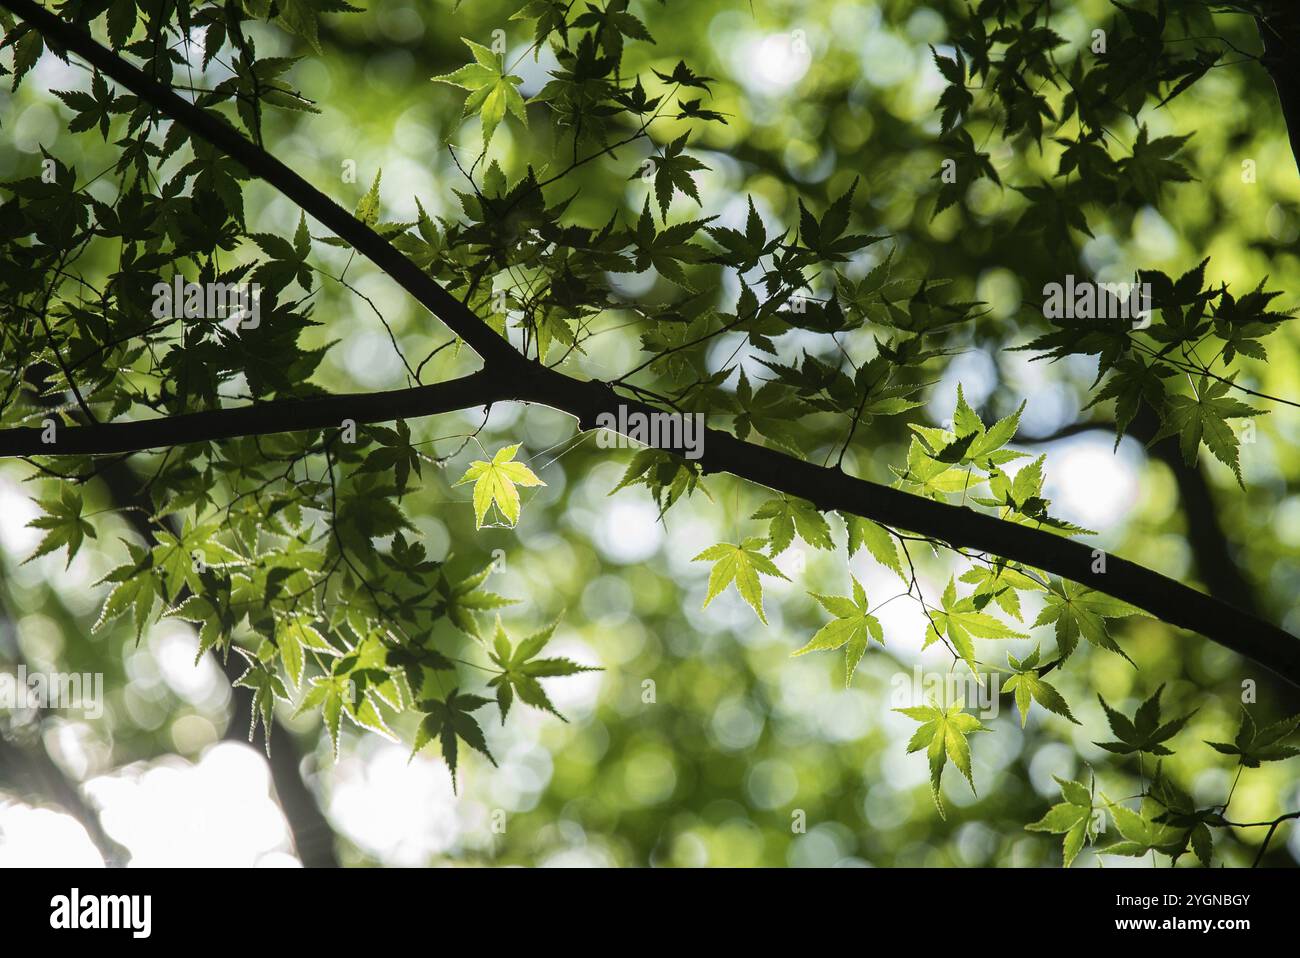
[701, 742]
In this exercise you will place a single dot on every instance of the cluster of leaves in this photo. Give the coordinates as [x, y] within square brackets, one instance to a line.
[1140, 60]
[1167, 820]
[294, 550]
[1146, 365]
[1008, 52]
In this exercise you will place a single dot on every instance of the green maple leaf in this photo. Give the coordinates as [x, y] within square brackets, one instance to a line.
[1028, 685]
[367, 208]
[673, 171]
[956, 98]
[1141, 832]
[1144, 733]
[826, 237]
[1180, 812]
[1000, 583]
[213, 616]
[851, 628]
[327, 693]
[668, 250]
[267, 687]
[968, 165]
[1133, 382]
[961, 620]
[521, 669]
[492, 90]
[135, 590]
[1255, 745]
[983, 443]
[494, 483]
[772, 410]
[742, 564]
[744, 249]
[1072, 818]
[460, 600]
[1150, 165]
[794, 515]
[1078, 610]
[294, 637]
[450, 722]
[878, 540]
[63, 525]
[1203, 418]
[943, 735]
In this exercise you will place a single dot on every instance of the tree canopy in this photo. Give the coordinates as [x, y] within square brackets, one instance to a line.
[429, 360]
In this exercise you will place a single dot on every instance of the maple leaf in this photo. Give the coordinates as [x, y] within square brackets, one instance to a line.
[1000, 583]
[742, 564]
[1254, 745]
[826, 237]
[851, 627]
[63, 525]
[943, 735]
[267, 687]
[772, 410]
[961, 620]
[1150, 165]
[744, 249]
[1203, 418]
[494, 483]
[1144, 733]
[521, 669]
[492, 90]
[1180, 812]
[878, 540]
[668, 250]
[1078, 610]
[135, 590]
[1132, 382]
[460, 600]
[965, 164]
[1028, 685]
[294, 636]
[673, 171]
[956, 99]
[1141, 832]
[1074, 818]
[790, 515]
[450, 722]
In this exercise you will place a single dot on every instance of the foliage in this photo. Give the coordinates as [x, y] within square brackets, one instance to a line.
[301, 550]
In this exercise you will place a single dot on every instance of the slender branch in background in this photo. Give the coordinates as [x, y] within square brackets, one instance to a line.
[313, 836]
[34, 767]
[1272, 827]
[30, 765]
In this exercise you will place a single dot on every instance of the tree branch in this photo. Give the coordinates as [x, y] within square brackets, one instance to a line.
[281, 415]
[518, 378]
